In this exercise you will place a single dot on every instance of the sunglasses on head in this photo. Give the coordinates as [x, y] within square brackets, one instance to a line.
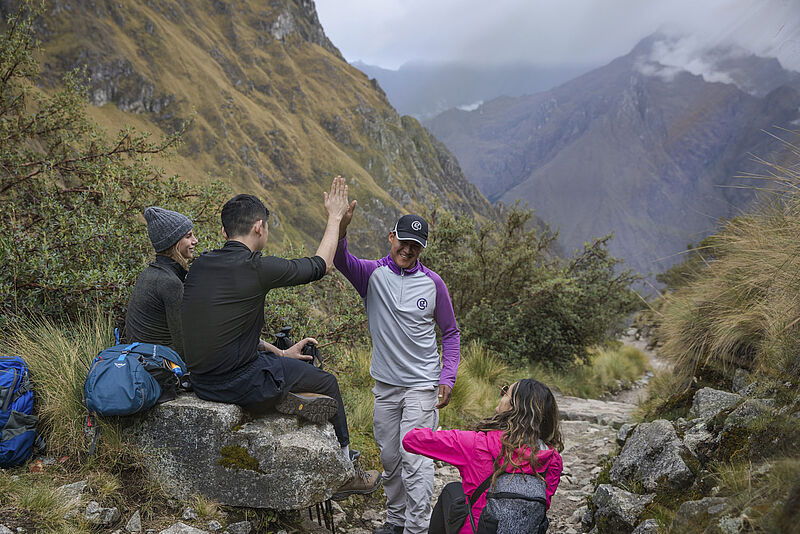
[504, 390]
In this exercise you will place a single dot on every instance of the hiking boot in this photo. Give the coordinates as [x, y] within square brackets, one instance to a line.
[389, 528]
[364, 482]
[310, 406]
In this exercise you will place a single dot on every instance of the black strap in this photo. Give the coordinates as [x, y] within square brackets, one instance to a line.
[480, 491]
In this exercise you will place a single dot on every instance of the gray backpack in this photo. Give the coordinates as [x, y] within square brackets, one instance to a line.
[516, 505]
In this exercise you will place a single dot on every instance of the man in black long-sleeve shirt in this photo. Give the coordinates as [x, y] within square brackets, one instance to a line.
[223, 314]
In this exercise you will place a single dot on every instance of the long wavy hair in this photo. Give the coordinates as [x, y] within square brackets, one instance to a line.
[533, 416]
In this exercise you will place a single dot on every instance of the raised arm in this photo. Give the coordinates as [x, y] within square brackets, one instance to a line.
[357, 271]
[452, 446]
[336, 204]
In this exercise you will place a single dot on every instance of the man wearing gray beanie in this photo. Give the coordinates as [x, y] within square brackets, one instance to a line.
[154, 309]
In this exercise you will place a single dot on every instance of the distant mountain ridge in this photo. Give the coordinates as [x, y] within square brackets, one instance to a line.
[424, 90]
[277, 111]
[627, 149]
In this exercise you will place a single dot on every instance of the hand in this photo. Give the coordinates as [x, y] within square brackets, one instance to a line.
[345, 222]
[295, 350]
[444, 395]
[336, 203]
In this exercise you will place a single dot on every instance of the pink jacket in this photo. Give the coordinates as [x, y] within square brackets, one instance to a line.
[473, 453]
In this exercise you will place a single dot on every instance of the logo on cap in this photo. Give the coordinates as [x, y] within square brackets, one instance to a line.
[416, 225]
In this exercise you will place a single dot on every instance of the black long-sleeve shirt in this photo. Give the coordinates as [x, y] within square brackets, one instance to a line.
[154, 309]
[223, 304]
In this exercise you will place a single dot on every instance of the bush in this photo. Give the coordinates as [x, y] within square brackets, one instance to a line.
[71, 233]
[513, 294]
[742, 309]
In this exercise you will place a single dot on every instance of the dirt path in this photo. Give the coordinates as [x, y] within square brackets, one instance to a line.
[589, 428]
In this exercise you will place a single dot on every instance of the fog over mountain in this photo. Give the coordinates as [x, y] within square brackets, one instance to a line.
[427, 89]
[647, 147]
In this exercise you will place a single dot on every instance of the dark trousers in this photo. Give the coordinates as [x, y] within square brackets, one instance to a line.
[262, 383]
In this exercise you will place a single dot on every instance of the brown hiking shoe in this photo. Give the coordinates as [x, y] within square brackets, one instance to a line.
[364, 482]
[310, 406]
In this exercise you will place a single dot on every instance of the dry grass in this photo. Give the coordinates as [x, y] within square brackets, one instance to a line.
[609, 368]
[743, 310]
[59, 360]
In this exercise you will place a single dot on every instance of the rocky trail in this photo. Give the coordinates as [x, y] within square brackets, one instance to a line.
[589, 428]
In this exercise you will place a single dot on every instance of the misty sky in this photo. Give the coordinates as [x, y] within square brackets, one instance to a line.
[389, 33]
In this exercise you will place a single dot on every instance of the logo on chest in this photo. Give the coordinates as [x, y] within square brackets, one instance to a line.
[422, 304]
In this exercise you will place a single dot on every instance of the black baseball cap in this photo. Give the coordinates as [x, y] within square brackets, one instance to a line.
[412, 228]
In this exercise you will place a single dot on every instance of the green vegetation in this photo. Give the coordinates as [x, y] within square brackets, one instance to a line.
[71, 199]
[610, 368]
[734, 304]
[72, 241]
[513, 294]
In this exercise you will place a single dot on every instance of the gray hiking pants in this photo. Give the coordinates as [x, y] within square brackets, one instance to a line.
[407, 477]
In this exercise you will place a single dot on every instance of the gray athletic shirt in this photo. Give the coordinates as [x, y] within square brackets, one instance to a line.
[403, 306]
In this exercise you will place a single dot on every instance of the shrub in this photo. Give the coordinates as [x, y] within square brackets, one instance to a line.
[513, 294]
[71, 237]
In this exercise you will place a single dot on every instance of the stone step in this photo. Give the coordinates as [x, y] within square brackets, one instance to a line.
[595, 411]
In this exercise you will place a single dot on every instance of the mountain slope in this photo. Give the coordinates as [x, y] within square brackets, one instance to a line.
[648, 156]
[277, 111]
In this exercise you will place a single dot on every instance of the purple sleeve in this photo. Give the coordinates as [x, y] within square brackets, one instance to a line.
[451, 336]
[357, 271]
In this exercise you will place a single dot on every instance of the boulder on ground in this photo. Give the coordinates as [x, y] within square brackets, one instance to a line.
[700, 441]
[212, 449]
[749, 411]
[709, 402]
[694, 516]
[624, 432]
[741, 379]
[618, 510]
[97, 515]
[649, 526]
[653, 455]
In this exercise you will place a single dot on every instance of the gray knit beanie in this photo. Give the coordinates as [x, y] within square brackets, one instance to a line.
[165, 227]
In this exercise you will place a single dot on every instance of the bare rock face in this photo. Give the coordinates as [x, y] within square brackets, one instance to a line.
[708, 402]
[654, 456]
[618, 510]
[212, 449]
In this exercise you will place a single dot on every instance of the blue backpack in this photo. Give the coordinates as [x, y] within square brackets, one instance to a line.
[121, 379]
[17, 422]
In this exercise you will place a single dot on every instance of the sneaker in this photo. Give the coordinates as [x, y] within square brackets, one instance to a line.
[311, 406]
[389, 528]
[364, 482]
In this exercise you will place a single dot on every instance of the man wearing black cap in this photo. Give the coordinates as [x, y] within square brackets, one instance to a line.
[404, 301]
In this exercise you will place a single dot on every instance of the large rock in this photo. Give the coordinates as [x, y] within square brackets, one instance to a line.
[693, 516]
[744, 415]
[700, 441]
[618, 510]
[708, 402]
[212, 449]
[653, 455]
[649, 526]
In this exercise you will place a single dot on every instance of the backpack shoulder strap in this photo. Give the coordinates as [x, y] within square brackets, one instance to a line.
[480, 490]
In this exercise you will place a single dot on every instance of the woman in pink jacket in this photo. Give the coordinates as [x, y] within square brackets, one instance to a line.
[525, 420]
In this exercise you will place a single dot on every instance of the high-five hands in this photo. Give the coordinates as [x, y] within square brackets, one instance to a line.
[336, 202]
